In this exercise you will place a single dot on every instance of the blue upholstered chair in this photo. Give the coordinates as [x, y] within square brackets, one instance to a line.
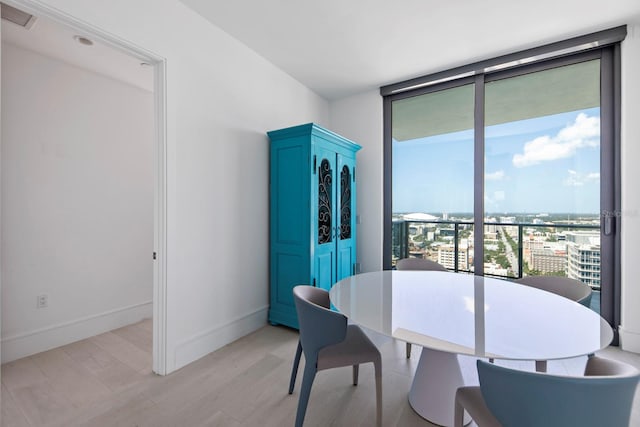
[414, 264]
[508, 397]
[572, 289]
[328, 342]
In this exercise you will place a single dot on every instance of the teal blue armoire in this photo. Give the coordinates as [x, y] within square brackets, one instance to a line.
[312, 213]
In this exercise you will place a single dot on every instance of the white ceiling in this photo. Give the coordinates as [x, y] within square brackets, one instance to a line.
[55, 40]
[342, 47]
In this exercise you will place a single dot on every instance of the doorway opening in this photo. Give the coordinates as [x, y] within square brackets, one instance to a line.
[85, 171]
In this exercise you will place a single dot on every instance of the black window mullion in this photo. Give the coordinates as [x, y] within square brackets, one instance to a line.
[478, 177]
[387, 237]
[617, 186]
[610, 189]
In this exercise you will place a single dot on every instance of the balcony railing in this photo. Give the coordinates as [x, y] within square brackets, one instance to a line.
[415, 238]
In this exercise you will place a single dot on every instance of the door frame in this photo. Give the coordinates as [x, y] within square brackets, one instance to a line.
[159, 160]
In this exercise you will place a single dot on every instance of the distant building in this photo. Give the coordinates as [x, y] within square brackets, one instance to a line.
[531, 244]
[446, 257]
[583, 237]
[449, 232]
[495, 269]
[549, 261]
[419, 216]
[583, 261]
[544, 256]
[510, 230]
[489, 227]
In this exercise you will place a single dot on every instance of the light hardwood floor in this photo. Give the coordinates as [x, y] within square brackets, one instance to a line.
[107, 381]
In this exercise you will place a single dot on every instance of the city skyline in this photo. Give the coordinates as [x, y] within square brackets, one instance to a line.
[548, 164]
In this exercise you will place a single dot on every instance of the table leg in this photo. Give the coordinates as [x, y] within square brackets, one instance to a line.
[433, 391]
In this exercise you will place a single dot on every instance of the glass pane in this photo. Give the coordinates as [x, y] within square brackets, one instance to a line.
[501, 247]
[345, 203]
[447, 245]
[542, 174]
[432, 178]
[324, 202]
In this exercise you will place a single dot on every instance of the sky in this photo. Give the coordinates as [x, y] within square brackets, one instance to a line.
[548, 164]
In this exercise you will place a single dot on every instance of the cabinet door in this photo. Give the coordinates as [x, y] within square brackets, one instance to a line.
[324, 217]
[346, 215]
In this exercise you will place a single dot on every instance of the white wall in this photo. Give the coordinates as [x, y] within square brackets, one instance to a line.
[359, 117]
[0, 214]
[221, 99]
[630, 325]
[77, 203]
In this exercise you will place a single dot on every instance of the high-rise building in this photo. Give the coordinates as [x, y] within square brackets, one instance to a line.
[583, 261]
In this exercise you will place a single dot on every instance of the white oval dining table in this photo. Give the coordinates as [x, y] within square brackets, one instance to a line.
[452, 313]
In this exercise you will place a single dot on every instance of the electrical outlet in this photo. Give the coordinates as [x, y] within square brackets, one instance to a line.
[43, 301]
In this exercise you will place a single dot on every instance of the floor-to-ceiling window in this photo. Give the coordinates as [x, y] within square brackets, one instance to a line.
[508, 167]
[432, 177]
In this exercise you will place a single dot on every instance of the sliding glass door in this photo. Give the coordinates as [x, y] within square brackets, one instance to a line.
[508, 173]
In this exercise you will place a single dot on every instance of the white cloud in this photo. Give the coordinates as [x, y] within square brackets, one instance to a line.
[577, 179]
[494, 176]
[584, 132]
[497, 196]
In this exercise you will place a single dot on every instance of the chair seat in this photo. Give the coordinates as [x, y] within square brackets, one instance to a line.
[329, 342]
[471, 399]
[356, 348]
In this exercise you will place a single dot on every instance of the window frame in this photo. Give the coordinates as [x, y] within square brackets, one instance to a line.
[603, 45]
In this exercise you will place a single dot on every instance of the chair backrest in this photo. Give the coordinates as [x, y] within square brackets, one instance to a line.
[532, 399]
[319, 326]
[419, 264]
[573, 289]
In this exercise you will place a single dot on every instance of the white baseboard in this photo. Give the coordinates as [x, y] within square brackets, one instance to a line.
[204, 343]
[629, 341]
[32, 342]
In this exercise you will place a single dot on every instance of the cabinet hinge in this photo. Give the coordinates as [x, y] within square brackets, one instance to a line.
[314, 164]
[155, 255]
[314, 283]
[354, 174]
[354, 269]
